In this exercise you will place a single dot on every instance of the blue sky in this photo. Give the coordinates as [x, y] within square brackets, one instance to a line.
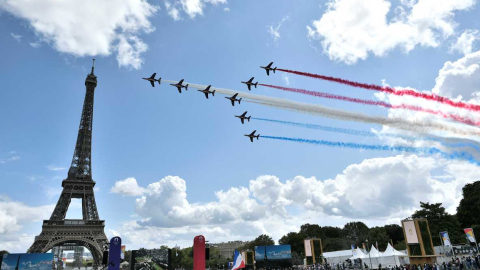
[147, 134]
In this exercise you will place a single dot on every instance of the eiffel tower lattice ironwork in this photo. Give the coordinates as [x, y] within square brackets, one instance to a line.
[88, 231]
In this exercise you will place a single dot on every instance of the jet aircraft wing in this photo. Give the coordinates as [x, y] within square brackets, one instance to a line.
[151, 82]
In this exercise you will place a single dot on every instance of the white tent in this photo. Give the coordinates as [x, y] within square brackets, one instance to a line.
[358, 254]
[390, 251]
[374, 252]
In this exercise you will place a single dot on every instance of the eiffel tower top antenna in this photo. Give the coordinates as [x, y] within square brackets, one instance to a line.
[93, 66]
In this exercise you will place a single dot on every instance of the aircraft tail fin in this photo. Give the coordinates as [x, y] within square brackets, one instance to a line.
[258, 136]
[239, 100]
[274, 69]
[159, 80]
[186, 87]
[213, 93]
[248, 118]
[256, 84]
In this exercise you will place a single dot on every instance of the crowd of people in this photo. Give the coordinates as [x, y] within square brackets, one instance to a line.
[457, 263]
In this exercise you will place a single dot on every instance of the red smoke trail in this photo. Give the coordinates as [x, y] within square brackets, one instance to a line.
[377, 103]
[390, 90]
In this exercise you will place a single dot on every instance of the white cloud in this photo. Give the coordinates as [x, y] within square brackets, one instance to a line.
[18, 38]
[13, 213]
[226, 9]
[63, 25]
[14, 158]
[275, 31]
[129, 51]
[459, 78]
[172, 11]
[35, 44]
[128, 187]
[375, 191]
[55, 168]
[464, 43]
[350, 30]
[191, 7]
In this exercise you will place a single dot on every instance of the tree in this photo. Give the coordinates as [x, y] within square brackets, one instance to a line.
[439, 220]
[469, 207]
[262, 240]
[311, 231]
[356, 232]
[295, 240]
[378, 235]
[3, 252]
[395, 232]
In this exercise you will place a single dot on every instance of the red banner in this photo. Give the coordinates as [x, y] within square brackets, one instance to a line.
[199, 253]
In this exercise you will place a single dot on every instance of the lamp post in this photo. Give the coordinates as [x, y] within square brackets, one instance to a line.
[369, 255]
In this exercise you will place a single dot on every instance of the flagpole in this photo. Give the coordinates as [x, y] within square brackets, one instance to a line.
[394, 254]
[476, 244]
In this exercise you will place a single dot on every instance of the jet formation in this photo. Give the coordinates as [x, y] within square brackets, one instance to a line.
[252, 135]
[180, 85]
[152, 79]
[243, 116]
[207, 91]
[268, 68]
[249, 83]
[233, 98]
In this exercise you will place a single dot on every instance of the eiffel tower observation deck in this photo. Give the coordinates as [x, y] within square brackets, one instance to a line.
[88, 231]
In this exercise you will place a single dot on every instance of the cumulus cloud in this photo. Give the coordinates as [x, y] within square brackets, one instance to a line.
[464, 43]
[459, 78]
[35, 44]
[275, 31]
[13, 213]
[165, 204]
[376, 191]
[128, 187]
[191, 7]
[63, 25]
[350, 30]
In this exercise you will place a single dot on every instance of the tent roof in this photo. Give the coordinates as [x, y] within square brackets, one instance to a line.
[357, 254]
[390, 251]
[339, 253]
[374, 252]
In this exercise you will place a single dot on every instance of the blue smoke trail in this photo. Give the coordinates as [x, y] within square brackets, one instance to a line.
[366, 133]
[409, 149]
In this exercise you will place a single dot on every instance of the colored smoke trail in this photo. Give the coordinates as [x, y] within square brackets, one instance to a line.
[375, 103]
[318, 110]
[389, 90]
[415, 150]
[364, 133]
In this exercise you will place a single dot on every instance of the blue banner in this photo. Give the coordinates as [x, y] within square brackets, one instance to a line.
[114, 253]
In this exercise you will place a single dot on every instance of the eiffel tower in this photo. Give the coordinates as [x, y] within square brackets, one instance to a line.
[88, 231]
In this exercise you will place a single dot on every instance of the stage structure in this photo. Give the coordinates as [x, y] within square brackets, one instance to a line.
[88, 231]
[419, 241]
[313, 251]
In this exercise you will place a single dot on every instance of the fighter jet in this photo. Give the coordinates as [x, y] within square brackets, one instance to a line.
[206, 91]
[249, 83]
[152, 79]
[234, 98]
[243, 117]
[180, 85]
[252, 135]
[268, 68]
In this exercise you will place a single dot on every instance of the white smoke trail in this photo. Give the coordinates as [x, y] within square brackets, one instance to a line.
[314, 109]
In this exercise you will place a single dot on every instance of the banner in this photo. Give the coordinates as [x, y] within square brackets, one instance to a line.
[445, 238]
[114, 253]
[199, 252]
[122, 254]
[410, 232]
[308, 248]
[470, 235]
[238, 262]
